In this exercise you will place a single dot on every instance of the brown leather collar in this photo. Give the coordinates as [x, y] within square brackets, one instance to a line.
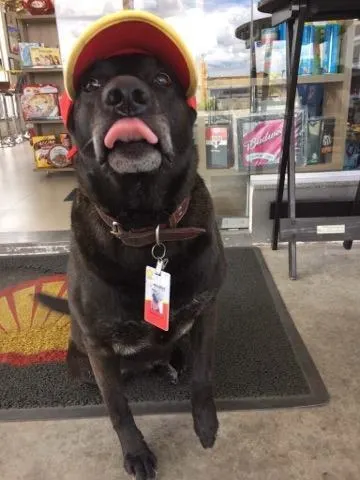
[147, 236]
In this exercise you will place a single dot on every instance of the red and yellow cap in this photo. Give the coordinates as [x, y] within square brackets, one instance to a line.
[126, 32]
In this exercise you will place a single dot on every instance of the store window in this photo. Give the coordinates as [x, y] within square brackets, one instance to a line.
[241, 93]
[352, 148]
[326, 95]
[208, 28]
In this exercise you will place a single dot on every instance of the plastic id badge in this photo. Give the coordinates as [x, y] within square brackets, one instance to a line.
[157, 298]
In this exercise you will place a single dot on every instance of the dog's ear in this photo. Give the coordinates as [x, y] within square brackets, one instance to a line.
[67, 111]
[71, 124]
[191, 102]
[193, 115]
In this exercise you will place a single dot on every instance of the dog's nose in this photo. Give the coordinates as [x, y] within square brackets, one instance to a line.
[127, 96]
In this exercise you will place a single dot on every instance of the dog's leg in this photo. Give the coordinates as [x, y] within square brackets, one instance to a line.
[78, 365]
[203, 406]
[167, 371]
[181, 358]
[178, 364]
[138, 459]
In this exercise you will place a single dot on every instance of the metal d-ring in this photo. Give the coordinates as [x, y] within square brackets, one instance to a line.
[153, 251]
[159, 245]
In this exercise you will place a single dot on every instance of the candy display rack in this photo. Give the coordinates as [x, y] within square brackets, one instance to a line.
[43, 29]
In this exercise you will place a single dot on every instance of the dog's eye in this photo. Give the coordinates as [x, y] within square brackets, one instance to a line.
[162, 80]
[92, 84]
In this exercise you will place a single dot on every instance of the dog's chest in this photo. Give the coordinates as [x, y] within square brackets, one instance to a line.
[153, 339]
[133, 337]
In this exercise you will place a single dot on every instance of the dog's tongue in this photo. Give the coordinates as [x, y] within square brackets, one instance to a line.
[129, 130]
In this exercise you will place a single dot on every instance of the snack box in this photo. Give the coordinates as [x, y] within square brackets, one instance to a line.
[24, 50]
[327, 139]
[50, 151]
[45, 57]
[40, 102]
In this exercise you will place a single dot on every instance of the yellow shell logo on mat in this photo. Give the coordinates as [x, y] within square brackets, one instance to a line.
[30, 332]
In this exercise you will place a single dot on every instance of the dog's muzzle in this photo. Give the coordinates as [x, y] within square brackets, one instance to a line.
[126, 96]
[138, 139]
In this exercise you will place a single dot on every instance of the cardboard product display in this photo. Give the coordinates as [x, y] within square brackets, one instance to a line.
[327, 140]
[50, 151]
[45, 57]
[219, 144]
[352, 151]
[40, 101]
[24, 50]
[216, 139]
[260, 139]
[320, 140]
[13, 35]
[313, 143]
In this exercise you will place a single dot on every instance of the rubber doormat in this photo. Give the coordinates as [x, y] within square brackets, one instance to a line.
[261, 361]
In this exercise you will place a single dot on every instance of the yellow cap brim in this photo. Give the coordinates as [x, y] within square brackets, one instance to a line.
[131, 31]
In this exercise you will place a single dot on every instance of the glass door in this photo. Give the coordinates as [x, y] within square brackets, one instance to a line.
[223, 99]
[223, 96]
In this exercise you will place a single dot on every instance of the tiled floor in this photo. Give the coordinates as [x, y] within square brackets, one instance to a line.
[300, 444]
[32, 201]
[291, 444]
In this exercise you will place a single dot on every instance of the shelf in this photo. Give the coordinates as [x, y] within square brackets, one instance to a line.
[27, 18]
[48, 170]
[79, 17]
[326, 78]
[45, 121]
[42, 69]
[223, 172]
[246, 82]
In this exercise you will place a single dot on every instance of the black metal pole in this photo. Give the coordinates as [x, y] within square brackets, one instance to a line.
[291, 159]
[355, 211]
[295, 27]
[253, 71]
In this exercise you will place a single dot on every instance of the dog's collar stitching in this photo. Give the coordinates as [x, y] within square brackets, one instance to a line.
[146, 236]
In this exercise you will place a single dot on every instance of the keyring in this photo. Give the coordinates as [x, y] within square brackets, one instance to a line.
[153, 251]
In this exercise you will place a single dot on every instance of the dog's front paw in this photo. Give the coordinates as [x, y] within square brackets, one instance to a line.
[168, 372]
[141, 463]
[206, 423]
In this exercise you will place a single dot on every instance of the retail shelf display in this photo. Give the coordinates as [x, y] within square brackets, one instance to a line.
[42, 71]
[27, 18]
[58, 69]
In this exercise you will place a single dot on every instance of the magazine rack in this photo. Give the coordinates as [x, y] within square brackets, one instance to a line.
[295, 13]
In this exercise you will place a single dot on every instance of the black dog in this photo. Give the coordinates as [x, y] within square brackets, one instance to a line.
[137, 174]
